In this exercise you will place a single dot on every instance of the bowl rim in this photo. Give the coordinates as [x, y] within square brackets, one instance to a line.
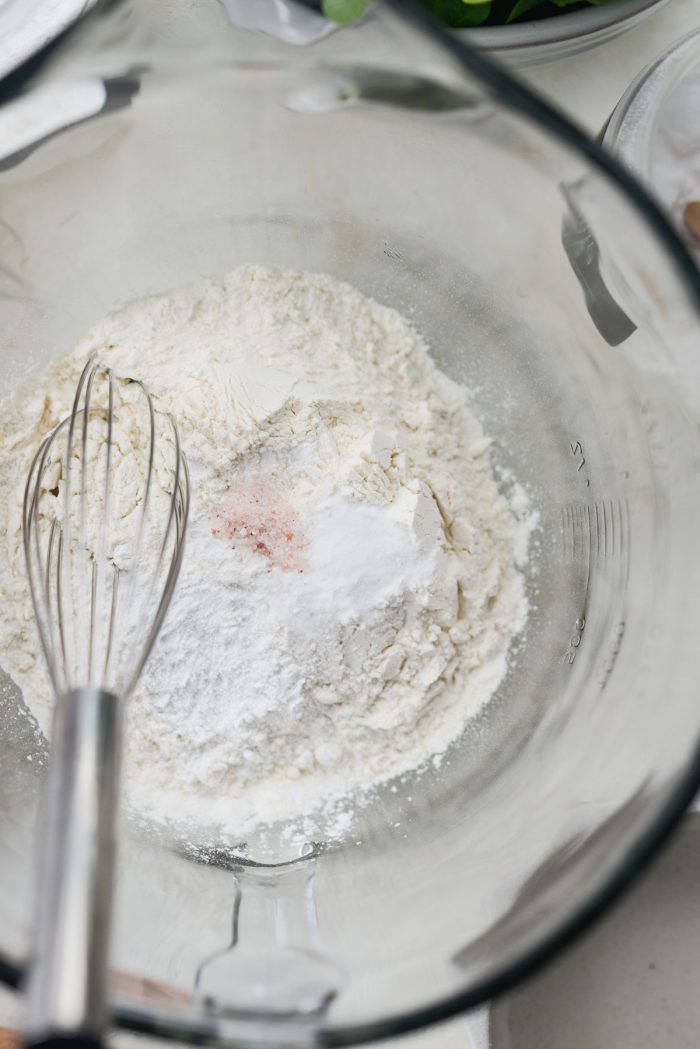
[644, 97]
[558, 29]
[528, 105]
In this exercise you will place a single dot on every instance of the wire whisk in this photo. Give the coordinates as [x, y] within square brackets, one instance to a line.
[105, 507]
[105, 511]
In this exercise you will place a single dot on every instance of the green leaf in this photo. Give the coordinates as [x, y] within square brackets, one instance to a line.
[521, 7]
[459, 13]
[344, 12]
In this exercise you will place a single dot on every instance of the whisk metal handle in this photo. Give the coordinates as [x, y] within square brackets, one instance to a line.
[68, 972]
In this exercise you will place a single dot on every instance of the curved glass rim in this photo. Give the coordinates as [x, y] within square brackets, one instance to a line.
[650, 90]
[548, 32]
[241, 1033]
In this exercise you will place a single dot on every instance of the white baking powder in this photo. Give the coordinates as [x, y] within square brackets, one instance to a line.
[349, 590]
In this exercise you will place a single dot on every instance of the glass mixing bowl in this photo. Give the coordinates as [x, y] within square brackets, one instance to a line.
[155, 144]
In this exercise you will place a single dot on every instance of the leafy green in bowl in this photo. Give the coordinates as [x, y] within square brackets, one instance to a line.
[460, 13]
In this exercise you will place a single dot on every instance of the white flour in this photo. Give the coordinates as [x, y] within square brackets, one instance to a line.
[349, 590]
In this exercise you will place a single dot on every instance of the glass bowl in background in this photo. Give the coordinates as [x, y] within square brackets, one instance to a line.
[649, 138]
[168, 146]
[27, 24]
[570, 33]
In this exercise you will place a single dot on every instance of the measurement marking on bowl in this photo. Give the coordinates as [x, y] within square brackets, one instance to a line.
[575, 639]
[567, 533]
[580, 459]
[612, 530]
[600, 531]
[589, 544]
[599, 536]
[614, 541]
[612, 652]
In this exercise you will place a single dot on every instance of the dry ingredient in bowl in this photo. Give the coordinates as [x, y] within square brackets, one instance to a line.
[350, 586]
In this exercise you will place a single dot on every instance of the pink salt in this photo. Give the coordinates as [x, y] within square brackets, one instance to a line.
[259, 517]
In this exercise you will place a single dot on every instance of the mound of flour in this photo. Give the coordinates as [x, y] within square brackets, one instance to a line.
[350, 585]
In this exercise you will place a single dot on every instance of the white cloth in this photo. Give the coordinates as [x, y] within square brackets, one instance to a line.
[28, 25]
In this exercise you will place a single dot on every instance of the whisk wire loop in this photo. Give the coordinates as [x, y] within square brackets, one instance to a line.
[105, 509]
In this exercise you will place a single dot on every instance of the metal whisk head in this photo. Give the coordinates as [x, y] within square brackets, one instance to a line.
[105, 510]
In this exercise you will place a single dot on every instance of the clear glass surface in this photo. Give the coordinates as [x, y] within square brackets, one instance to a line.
[169, 146]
